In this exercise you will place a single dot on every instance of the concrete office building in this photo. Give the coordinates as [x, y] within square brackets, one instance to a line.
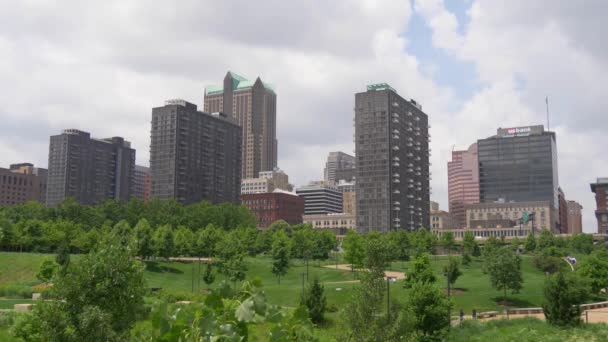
[320, 198]
[341, 163]
[141, 186]
[271, 207]
[349, 202]
[575, 218]
[267, 182]
[21, 183]
[440, 219]
[337, 223]
[194, 156]
[600, 189]
[463, 183]
[392, 157]
[520, 165]
[279, 178]
[89, 170]
[253, 106]
[508, 215]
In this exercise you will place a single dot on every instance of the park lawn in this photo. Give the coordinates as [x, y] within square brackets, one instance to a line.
[20, 267]
[10, 303]
[5, 336]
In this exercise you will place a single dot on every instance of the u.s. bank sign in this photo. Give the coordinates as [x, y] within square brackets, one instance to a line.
[519, 130]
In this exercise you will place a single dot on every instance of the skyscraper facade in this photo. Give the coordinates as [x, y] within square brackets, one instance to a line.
[141, 186]
[575, 218]
[89, 170]
[194, 156]
[338, 162]
[600, 189]
[520, 165]
[21, 183]
[320, 198]
[463, 184]
[392, 157]
[253, 106]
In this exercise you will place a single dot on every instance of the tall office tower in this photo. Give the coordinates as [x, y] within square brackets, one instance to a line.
[562, 204]
[22, 183]
[463, 184]
[575, 218]
[194, 156]
[279, 178]
[340, 162]
[253, 105]
[89, 170]
[392, 150]
[320, 198]
[600, 189]
[520, 165]
[141, 186]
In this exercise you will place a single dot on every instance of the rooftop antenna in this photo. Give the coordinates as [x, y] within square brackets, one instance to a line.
[547, 103]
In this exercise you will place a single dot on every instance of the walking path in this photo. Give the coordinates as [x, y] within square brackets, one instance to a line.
[347, 267]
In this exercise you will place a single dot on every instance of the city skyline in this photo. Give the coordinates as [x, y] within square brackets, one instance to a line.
[454, 65]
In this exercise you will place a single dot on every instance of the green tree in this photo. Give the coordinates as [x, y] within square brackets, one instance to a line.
[324, 242]
[207, 240]
[95, 303]
[504, 268]
[377, 253]
[209, 276]
[530, 244]
[546, 239]
[183, 241]
[469, 243]
[582, 243]
[429, 308]
[47, 270]
[595, 269]
[424, 242]
[314, 299]
[142, 235]
[162, 240]
[421, 272]
[303, 243]
[564, 293]
[63, 255]
[452, 271]
[231, 258]
[400, 244]
[490, 246]
[515, 243]
[280, 254]
[448, 242]
[354, 249]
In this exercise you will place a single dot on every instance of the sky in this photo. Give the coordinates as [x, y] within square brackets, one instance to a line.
[474, 65]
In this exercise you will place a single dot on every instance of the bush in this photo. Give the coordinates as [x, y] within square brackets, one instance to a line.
[16, 291]
[548, 264]
[563, 295]
[331, 308]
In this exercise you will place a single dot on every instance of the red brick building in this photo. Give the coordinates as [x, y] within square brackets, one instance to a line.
[274, 206]
[600, 188]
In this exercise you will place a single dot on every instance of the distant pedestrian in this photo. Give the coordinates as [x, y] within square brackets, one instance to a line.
[461, 316]
[474, 314]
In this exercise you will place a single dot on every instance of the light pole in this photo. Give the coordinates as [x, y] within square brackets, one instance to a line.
[447, 277]
[388, 298]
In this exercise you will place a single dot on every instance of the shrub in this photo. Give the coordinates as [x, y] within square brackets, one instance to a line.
[16, 291]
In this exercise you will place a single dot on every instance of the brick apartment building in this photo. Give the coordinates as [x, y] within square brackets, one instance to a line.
[274, 206]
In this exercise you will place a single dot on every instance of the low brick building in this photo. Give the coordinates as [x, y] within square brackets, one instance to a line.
[274, 206]
[22, 183]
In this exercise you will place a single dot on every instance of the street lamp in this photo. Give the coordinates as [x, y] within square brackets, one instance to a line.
[388, 297]
[449, 309]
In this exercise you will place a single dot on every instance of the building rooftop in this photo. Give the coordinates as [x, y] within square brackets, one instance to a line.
[379, 86]
[238, 83]
[602, 181]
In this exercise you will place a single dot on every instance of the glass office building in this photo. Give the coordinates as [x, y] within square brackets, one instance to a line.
[519, 165]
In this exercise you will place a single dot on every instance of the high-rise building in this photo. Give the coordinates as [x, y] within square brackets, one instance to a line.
[89, 170]
[392, 151]
[600, 188]
[253, 106]
[349, 202]
[463, 183]
[339, 162]
[141, 186]
[22, 183]
[320, 198]
[520, 165]
[575, 218]
[267, 182]
[271, 207]
[194, 156]
[562, 203]
[279, 178]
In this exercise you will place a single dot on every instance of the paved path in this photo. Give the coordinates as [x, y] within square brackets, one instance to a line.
[347, 267]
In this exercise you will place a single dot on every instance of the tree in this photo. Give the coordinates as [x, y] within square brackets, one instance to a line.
[452, 271]
[354, 249]
[448, 242]
[400, 244]
[142, 235]
[546, 239]
[63, 255]
[582, 243]
[207, 240]
[231, 258]
[324, 243]
[162, 240]
[302, 243]
[424, 242]
[314, 299]
[530, 244]
[563, 295]
[595, 269]
[469, 243]
[429, 309]
[549, 260]
[183, 241]
[99, 299]
[421, 272]
[376, 253]
[47, 271]
[515, 243]
[504, 268]
[209, 276]
[490, 246]
[280, 254]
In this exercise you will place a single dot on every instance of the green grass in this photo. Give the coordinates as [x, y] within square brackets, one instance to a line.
[525, 330]
[20, 267]
[10, 303]
[5, 336]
